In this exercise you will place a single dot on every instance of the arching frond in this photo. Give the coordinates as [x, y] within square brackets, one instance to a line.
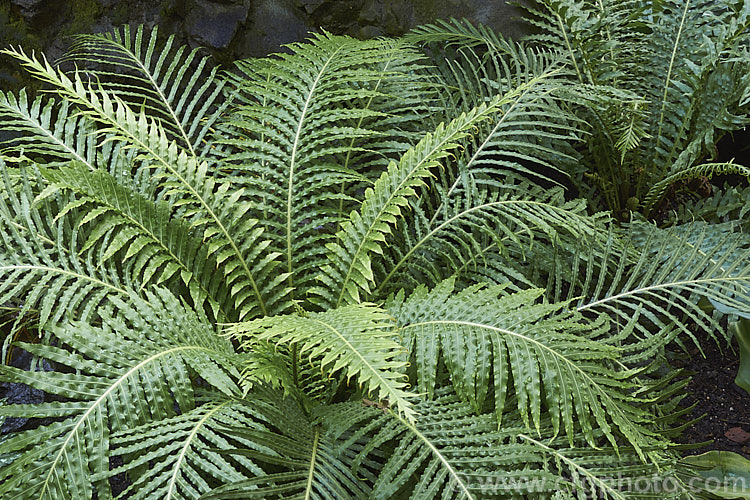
[488, 339]
[173, 85]
[305, 451]
[453, 453]
[153, 247]
[306, 118]
[673, 270]
[180, 449]
[41, 127]
[134, 368]
[707, 170]
[43, 267]
[188, 184]
[472, 226]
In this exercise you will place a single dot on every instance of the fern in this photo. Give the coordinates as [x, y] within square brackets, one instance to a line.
[359, 269]
[684, 63]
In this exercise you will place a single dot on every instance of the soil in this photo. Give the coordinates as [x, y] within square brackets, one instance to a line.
[724, 406]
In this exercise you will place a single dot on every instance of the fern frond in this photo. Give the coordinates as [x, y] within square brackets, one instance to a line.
[183, 459]
[153, 247]
[673, 269]
[540, 347]
[304, 452]
[42, 127]
[123, 378]
[359, 339]
[730, 203]
[451, 452]
[188, 183]
[305, 118]
[464, 226]
[172, 85]
[350, 272]
[41, 259]
[707, 170]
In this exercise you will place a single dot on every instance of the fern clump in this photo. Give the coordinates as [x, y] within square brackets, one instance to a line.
[335, 273]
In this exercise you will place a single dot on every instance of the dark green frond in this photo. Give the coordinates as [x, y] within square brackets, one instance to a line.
[173, 85]
[305, 452]
[545, 355]
[133, 369]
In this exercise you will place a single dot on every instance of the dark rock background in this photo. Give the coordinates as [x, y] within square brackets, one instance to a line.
[230, 29]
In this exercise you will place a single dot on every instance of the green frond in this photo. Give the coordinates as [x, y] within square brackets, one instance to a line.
[134, 368]
[205, 201]
[729, 203]
[451, 452]
[707, 170]
[171, 84]
[310, 124]
[182, 457]
[686, 63]
[153, 247]
[305, 453]
[349, 272]
[488, 339]
[43, 269]
[471, 225]
[358, 339]
[42, 127]
[665, 278]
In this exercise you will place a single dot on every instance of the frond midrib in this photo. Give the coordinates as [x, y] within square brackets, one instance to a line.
[446, 223]
[156, 86]
[50, 135]
[171, 486]
[82, 277]
[98, 401]
[292, 165]
[436, 452]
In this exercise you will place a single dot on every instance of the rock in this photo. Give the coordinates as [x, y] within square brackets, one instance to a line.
[29, 8]
[17, 393]
[310, 5]
[215, 25]
[273, 23]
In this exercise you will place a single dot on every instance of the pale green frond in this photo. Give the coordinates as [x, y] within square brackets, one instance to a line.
[188, 183]
[45, 128]
[43, 269]
[533, 131]
[359, 340]
[452, 452]
[134, 368]
[459, 235]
